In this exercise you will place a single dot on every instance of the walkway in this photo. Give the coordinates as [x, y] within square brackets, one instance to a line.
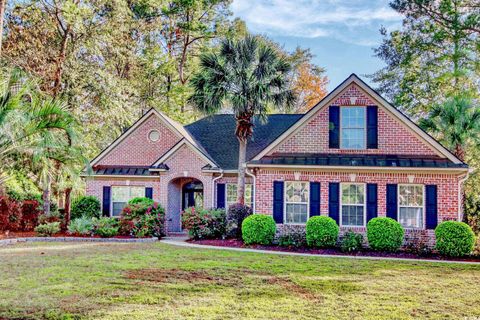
[181, 242]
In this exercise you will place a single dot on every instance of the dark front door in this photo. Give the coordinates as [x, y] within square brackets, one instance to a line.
[192, 195]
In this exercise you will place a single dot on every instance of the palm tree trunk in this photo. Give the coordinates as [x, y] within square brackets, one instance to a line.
[242, 157]
[46, 197]
[3, 4]
[68, 193]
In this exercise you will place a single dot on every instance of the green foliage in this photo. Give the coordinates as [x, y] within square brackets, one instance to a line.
[81, 226]
[236, 214]
[384, 234]
[204, 224]
[47, 229]
[321, 232]
[143, 218]
[258, 229]
[454, 239]
[293, 237]
[86, 206]
[105, 227]
[141, 200]
[351, 242]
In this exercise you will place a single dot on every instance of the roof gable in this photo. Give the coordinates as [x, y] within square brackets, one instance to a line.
[343, 95]
[178, 146]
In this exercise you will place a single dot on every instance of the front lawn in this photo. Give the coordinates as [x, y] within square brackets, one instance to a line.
[158, 281]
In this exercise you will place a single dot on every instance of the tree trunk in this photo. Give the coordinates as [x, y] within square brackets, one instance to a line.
[3, 4]
[60, 61]
[46, 197]
[459, 152]
[68, 193]
[242, 158]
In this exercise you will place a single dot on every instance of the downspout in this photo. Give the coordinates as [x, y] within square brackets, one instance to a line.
[213, 187]
[461, 181]
[254, 189]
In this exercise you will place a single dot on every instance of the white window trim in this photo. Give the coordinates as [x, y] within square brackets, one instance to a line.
[285, 203]
[150, 132]
[364, 128]
[111, 197]
[423, 205]
[364, 205]
[234, 184]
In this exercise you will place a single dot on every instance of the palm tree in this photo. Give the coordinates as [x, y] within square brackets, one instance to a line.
[455, 123]
[249, 77]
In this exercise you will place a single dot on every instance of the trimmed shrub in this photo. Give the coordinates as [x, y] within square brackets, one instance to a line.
[81, 226]
[203, 223]
[141, 200]
[236, 214]
[10, 214]
[87, 206]
[258, 229]
[384, 234]
[321, 232]
[454, 239]
[48, 229]
[105, 227]
[31, 211]
[293, 237]
[351, 242]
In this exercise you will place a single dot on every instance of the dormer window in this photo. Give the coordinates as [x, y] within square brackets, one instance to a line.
[352, 128]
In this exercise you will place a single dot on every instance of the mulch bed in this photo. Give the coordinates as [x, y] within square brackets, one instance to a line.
[234, 243]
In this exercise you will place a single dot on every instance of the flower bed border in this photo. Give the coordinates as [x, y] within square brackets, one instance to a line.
[4, 242]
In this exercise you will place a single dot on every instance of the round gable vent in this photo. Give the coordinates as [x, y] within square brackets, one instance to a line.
[154, 135]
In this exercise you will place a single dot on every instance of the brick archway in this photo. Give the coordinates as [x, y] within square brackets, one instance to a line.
[176, 200]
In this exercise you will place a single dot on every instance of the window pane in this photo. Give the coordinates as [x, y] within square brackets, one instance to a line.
[296, 213]
[353, 127]
[120, 194]
[231, 194]
[352, 215]
[137, 192]
[353, 193]
[297, 192]
[411, 217]
[411, 196]
[353, 138]
[117, 208]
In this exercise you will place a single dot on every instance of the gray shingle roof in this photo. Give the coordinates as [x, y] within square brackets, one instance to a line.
[217, 135]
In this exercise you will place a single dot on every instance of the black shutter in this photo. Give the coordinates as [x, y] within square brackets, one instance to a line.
[334, 127]
[106, 200]
[220, 195]
[278, 201]
[372, 207]
[149, 193]
[314, 199]
[334, 201]
[431, 206]
[372, 127]
[392, 201]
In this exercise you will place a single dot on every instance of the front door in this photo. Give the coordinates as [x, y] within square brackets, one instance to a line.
[192, 195]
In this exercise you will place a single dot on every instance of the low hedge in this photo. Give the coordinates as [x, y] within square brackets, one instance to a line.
[321, 232]
[86, 206]
[384, 234]
[454, 239]
[258, 229]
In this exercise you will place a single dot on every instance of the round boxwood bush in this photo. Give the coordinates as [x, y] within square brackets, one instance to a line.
[454, 239]
[86, 206]
[384, 234]
[142, 200]
[321, 232]
[258, 229]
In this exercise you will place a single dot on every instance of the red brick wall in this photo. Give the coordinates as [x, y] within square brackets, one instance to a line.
[393, 136]
[137, 150]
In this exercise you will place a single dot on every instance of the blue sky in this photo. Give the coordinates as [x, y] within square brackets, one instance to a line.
[340, 33]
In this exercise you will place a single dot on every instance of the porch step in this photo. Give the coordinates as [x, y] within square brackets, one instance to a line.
[177, 234]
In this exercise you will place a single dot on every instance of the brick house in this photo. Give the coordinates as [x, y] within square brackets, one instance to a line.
[352, 157]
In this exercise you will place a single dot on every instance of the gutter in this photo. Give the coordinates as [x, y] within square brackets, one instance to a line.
[461, 181]
[213, 187]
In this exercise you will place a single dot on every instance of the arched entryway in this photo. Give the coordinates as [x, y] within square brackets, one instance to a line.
[183, 193]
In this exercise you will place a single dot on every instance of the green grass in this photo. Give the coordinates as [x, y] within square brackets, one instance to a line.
[158, 281]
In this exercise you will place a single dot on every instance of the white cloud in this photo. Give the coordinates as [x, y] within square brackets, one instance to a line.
[347, 20]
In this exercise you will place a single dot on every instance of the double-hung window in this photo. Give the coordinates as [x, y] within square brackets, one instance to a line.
[353, 204]
[296, 201]
[231, 197]
[352, 126]
[410, 205]
[121, 196]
